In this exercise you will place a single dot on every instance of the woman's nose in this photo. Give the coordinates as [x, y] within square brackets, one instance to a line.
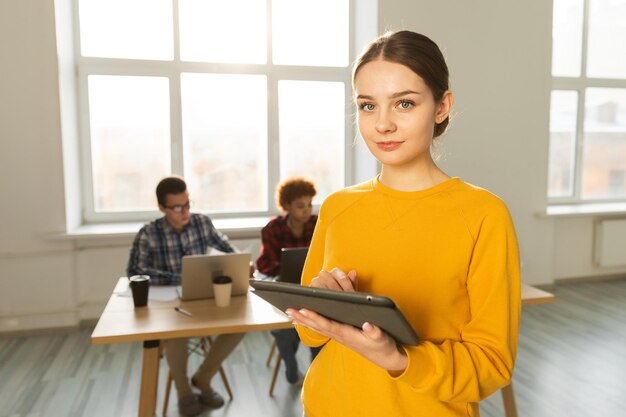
[385, 122]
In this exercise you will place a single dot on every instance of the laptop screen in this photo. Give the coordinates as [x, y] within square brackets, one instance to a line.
[291, 264]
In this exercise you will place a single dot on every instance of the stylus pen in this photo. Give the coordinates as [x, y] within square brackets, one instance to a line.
[185, 312]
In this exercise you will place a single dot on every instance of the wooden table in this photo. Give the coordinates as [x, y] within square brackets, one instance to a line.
[122, 322]
[530, 295]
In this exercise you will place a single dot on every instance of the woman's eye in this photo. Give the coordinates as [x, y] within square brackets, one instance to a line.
[367, 106]
[405, 104]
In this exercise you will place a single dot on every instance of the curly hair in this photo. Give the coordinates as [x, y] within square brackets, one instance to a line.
[293, 188]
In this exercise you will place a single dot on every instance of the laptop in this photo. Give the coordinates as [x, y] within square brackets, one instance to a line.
[291, 264]
[198, 272]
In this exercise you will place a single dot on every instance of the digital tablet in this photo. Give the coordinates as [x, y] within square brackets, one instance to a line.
[353, 308]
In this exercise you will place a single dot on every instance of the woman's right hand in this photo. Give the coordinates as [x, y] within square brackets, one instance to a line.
[336, 279]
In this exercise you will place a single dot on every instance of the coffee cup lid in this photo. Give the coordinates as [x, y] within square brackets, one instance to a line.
[136, 278]
[222, 279]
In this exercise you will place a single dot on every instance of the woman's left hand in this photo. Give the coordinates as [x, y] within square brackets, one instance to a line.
[370, 341]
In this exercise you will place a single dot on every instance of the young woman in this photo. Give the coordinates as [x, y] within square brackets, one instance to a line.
[293, 229]
[444, 250]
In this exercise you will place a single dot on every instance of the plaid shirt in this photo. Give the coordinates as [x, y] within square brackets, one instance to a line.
[277, 235]
[158, 249]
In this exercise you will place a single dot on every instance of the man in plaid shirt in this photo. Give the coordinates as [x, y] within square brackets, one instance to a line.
[160, 245]
[157, 251]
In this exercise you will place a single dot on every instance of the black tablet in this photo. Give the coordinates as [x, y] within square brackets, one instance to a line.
[353, 308]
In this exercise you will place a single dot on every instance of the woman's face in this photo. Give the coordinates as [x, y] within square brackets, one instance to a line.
[301, 208]
[396, 113]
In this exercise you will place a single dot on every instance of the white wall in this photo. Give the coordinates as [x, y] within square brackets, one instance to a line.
[498, 52]
[500, 74]
[35, 275]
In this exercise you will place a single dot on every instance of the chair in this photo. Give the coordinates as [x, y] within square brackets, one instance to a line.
[201, 347]
[276, 367]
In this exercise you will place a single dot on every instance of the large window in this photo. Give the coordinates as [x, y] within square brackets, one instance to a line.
[233, 95]
[588, 107]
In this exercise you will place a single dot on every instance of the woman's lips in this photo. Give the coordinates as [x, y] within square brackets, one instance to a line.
[389, 145]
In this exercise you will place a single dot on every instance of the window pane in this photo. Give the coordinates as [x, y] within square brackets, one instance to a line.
[604, 152]
[130, 140]
[136, 29]
[225, 140]
[314, 33]
[567, 29]
[232, 31]
[312, 132]
[563, 111]
[607, 37]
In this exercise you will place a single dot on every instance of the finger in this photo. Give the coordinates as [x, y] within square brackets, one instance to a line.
[342, 279]
[373, 332]
[296, 318]
[352, 278]
[326, 279]
[305, 317]
[317, 322]
[311, 320]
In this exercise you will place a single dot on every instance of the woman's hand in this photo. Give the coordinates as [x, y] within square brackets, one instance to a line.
[336, 279]
[370, 341]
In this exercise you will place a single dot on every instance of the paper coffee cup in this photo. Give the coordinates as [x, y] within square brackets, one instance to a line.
[139, 286]
[222, 288]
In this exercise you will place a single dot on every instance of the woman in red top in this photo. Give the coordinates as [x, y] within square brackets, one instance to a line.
[293, 229]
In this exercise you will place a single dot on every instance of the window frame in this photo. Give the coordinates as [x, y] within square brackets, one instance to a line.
[579, 85]
[86, 66]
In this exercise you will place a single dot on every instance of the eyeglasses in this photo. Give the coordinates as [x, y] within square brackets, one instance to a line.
[179, 208]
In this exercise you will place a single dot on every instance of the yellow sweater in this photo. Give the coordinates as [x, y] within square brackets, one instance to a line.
[448, 257]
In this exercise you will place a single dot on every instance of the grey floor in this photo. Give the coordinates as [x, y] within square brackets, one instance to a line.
[571, 362]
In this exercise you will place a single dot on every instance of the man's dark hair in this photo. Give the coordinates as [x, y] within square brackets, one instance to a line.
[169, 185]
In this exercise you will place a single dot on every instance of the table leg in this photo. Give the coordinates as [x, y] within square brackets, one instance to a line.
[149, 378]
[508, 399]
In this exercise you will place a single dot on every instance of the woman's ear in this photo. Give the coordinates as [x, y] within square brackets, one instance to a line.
[444, 107]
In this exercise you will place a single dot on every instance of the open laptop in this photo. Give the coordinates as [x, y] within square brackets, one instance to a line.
[198, 272]
[291, 264]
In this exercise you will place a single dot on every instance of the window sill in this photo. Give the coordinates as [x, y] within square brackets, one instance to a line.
[236, 228]
[584, 210]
